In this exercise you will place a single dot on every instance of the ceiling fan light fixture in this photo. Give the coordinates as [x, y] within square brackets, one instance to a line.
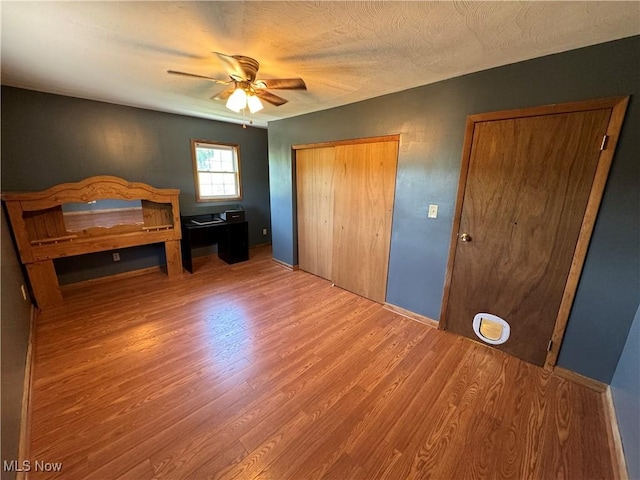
[254, 104]
[247, 92]
[238, 100]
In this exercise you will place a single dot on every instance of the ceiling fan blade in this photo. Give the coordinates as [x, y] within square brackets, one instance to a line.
[239, 67]
[223, 95]
[282, 83]
[271, 98]
[198, 76]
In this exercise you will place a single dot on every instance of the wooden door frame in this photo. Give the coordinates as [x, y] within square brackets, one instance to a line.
[618, 106]
[352, 141]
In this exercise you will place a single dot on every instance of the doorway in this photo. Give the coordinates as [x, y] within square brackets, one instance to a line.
[530, 187]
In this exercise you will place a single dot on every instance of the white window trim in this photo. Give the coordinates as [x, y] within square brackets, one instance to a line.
[196, 173]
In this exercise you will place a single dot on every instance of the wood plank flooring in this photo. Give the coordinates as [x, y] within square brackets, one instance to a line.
[252, 371]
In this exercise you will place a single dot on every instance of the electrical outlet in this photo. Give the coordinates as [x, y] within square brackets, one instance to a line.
[116, 257]
[264, 231]
[433, 211]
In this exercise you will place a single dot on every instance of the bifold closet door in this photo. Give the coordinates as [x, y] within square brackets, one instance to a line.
[364, 189]
[315, 170]
[345, 197]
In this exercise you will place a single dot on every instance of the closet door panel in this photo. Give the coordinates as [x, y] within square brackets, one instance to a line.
[364, 195]
[315, 168]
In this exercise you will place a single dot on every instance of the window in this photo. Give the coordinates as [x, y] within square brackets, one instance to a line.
[217, 171]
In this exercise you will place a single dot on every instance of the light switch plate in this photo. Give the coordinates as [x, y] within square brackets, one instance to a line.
[433, 211]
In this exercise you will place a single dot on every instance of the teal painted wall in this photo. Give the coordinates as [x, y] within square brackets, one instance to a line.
[431, 121]
[625, 388]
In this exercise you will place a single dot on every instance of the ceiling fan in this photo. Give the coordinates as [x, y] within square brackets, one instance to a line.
[246, 90]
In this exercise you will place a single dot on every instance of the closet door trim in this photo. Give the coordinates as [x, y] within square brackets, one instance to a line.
[353, 141]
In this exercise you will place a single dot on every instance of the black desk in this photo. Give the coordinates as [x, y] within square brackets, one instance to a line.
[232, 239]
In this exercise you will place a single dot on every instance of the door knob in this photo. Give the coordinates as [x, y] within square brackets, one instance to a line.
[465, 237]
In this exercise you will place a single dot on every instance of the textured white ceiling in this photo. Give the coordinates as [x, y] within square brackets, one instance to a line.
[346, 51]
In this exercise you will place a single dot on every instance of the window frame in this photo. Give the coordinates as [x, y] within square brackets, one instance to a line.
[196, 173]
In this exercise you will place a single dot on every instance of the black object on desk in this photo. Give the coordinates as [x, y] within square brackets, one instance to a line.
[232, 238]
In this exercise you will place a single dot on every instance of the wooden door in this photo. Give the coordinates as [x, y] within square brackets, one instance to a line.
[521, 221]
[364, 196]
[315, 169]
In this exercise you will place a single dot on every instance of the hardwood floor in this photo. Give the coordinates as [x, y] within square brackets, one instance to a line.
[252, 371]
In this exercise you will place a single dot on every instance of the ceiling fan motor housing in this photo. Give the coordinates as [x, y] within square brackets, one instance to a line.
[250, 67]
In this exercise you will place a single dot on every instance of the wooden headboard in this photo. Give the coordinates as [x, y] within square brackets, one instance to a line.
[44, 231]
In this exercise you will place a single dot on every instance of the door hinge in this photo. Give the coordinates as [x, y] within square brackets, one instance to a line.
[603, 145]
[549, 345]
